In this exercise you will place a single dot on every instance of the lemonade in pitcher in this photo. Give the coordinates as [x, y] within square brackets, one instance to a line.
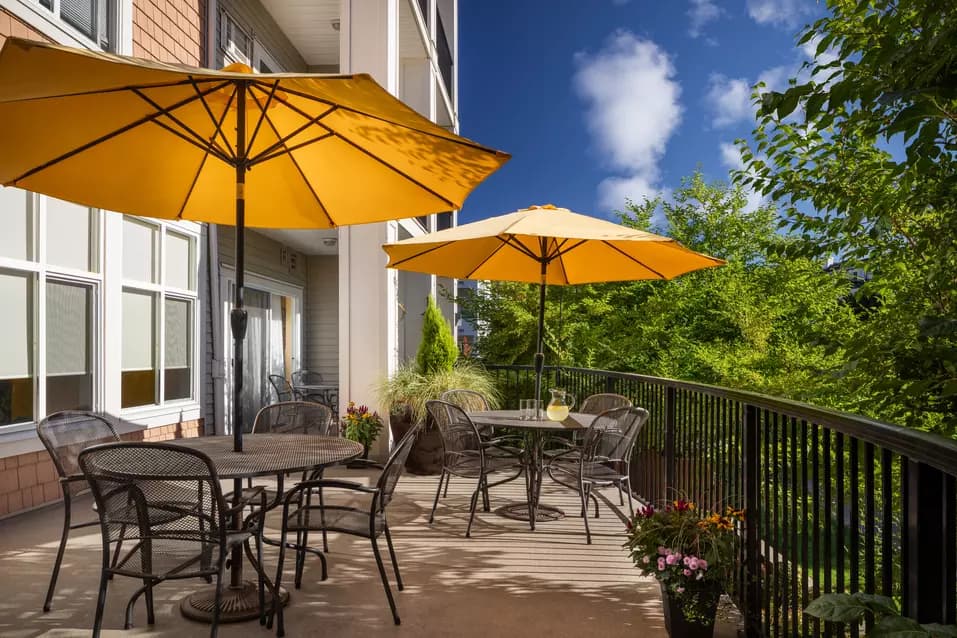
[560, 405]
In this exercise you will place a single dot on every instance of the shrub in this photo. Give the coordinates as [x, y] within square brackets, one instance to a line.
[437, 350]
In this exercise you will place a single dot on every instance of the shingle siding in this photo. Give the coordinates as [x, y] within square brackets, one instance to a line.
[170, 31]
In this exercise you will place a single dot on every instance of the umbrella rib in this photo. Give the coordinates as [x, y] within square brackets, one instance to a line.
[103, 138]
[313, 120]
[521, 247]
[487, 258]
[217, 123]
[289, 149]
[305, 180]
[637, 261]
[190, 135]
[116, 89]
[459, 140]
[417, 255]
[395, 169]
[262, 113]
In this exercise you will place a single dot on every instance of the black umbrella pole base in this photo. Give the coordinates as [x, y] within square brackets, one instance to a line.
[519, 512]
[238, 604]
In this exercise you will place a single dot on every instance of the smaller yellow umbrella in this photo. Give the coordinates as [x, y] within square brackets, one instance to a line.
[546, 245]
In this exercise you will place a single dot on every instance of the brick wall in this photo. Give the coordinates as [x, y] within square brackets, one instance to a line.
[170, 30]
[12, 25]
[30, 480]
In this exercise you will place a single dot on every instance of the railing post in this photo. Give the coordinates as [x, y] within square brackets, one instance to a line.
[752, 507]
[670, 426]
[930, 548]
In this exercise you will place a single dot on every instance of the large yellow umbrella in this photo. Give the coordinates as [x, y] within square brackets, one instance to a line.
[546, 245]
[176, 142]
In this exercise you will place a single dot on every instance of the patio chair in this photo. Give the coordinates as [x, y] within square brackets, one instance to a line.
[306, 377]
[283, 389]
[64, 435]
[371, 523]
[168, 500]
[604, 458]
[467, 456]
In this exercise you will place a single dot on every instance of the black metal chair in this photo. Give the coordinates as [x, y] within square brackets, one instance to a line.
[306, 377]
[298, 516]
[604, 458]
[65, 435]
[283, 389]
[466, 455]
[598, 403]
[168, 501]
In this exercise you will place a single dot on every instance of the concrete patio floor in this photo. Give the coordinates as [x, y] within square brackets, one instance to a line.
[505, 580]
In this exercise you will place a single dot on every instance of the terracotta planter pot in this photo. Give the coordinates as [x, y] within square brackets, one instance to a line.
[680, 627]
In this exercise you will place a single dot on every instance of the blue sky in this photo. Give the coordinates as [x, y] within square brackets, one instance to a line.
[600, 100]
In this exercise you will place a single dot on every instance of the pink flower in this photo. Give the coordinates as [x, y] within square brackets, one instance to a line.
[671, 559]
[661, 564]
[702, 563]
[686, 572]
[693, 563]
[645, 560]
[662, 550]
[687, 561]
[680, 590]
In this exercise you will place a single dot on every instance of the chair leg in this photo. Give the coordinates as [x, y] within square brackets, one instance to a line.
[322, 519]
[260, 569]
[621, 497]
[447, 480]
[276, 611]
[218, 599]
[472, 507]
[438, 492]
[100, 602]
[485, 502]
[395, 563]
[584, 495]
[59, 554]
[385, 581]
[631, 505]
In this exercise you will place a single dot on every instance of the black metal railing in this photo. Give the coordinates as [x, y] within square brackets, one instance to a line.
[834, 502]
[445, 55]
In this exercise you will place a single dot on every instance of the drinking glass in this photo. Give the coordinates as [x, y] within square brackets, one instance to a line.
[529, 409]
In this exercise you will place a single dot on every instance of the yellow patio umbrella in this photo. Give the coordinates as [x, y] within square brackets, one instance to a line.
[176, 142]
[546, 245]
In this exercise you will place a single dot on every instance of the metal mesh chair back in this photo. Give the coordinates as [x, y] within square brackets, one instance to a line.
[395, 466]
[295, 417]
[468, 400]
[610, 438]
[460, 437]
[598, 403]
[306, 377]
[66, 434]
[156, 492]
[284, 391]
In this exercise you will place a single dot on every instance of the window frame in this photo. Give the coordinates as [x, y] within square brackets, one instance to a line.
[119, 24]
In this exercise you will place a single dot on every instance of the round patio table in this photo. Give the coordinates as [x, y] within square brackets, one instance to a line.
[328, 391]
[262, 455]
[534, 432]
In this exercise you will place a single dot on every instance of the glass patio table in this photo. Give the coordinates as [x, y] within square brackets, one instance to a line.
[262, 455]
[535, 433]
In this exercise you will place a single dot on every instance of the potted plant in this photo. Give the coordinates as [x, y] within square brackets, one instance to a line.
[361, 426]
[434, 370]
[692, 555]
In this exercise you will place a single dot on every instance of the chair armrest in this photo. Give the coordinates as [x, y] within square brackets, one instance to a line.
[333, 483]
[367, 463]
[251, 493]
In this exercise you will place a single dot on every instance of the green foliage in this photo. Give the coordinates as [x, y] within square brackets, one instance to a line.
[860, 156]
[437, 350]
[765, 322]
[888, 623]
[409, 389]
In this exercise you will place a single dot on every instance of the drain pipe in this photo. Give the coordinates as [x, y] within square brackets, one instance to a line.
[217, 365]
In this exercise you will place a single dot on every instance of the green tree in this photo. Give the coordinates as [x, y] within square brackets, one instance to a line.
[860, 155]
[437, 351]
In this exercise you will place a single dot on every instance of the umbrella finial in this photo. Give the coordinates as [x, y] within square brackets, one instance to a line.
[543, 207]
[237, 67]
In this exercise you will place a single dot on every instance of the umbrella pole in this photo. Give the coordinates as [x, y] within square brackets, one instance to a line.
[540, 353]
[238, 317]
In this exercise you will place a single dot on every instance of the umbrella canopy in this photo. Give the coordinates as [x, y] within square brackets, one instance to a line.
[229, 147]
[546, 245]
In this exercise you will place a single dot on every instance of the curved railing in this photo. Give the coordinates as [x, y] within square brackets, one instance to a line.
[835, 502]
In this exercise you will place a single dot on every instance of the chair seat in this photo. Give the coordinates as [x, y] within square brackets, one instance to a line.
[335, 518]
[179, 556]
[594, 472]
[470, 465]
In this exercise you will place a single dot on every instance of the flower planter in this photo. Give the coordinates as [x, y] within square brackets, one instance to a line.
[425, 457]
[676, 622]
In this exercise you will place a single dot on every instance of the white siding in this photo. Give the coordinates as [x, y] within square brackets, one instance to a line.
[321, 317]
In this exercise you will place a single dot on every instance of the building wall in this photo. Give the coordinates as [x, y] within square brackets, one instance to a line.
[321, 317]
[259, 25]
[11, 25]
[263, 256]
[170, 30]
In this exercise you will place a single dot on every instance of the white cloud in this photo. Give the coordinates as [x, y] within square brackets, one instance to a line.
[780, 13]
[632, 110]
[730, 98]
[731, 158]
[701, 12]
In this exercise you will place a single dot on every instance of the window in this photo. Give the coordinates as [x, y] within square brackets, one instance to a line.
[233, 40]
[159, 293]
[48, 294]
[94, 19]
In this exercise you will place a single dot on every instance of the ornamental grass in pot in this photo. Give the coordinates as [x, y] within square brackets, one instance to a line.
[692, 555]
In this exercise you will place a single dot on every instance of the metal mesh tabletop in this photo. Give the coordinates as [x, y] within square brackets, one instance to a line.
[265, 454]
[510, 419]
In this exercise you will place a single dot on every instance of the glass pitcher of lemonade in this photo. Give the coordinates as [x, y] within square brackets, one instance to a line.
[561, 404]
